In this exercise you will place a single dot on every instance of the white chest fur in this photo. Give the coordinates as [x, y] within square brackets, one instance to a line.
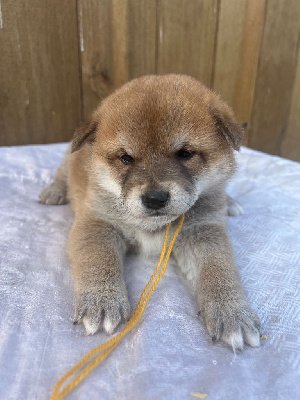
[147, 244]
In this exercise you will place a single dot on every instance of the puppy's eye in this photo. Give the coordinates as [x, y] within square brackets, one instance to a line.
[127, 159]
[184, 154]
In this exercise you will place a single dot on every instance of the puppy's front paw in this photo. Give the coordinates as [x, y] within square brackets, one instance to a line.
[234, 323]
[101, 308]
[55, 194]
[234, 208]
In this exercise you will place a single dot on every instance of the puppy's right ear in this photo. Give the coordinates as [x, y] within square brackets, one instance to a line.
[227, 124]
[86, 133]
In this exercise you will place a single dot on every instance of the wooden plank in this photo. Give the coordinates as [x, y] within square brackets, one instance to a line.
[39, 72]
[117, 44]
[249, 57]
[186, 37]
[232, 16]
[238, 46]
[275, 75]
[290, 146]
[95, 28]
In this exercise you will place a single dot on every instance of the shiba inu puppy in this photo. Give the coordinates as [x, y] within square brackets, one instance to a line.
[157, 148]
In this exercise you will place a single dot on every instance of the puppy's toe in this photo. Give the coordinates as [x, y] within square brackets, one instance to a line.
[252, 337]
[215, 328]
[53, 195]
[125, 309]
[91, 325]
[234, 339]
[114, 310]
[234, 208]
[110, 322]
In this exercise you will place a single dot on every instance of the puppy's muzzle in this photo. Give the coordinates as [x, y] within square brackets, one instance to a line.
[155, 200]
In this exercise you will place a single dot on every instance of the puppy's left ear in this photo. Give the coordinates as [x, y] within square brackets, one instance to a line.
[86, 133]
[226, 124]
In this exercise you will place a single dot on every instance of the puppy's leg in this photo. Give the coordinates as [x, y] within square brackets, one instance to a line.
[56, 193]
[234, 208]
[205, 254]
[96, 252]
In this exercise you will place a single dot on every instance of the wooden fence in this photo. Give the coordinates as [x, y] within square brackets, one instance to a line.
[59, 58]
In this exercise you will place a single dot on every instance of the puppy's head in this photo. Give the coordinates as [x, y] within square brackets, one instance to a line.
[158, 144]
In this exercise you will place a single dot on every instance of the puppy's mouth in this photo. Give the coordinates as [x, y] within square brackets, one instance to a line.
[162, 212]
[157, 214]
[152, 220]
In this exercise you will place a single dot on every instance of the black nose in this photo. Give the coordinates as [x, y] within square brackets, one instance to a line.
[155, 199]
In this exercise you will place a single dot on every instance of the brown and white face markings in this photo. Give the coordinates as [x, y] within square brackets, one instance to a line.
[158, 146]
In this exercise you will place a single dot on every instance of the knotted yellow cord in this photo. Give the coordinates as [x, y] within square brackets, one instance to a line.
[112, 343]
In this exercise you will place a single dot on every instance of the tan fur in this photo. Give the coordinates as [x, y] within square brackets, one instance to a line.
[118, 207]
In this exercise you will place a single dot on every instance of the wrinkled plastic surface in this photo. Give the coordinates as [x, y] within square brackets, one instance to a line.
[169, 355]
